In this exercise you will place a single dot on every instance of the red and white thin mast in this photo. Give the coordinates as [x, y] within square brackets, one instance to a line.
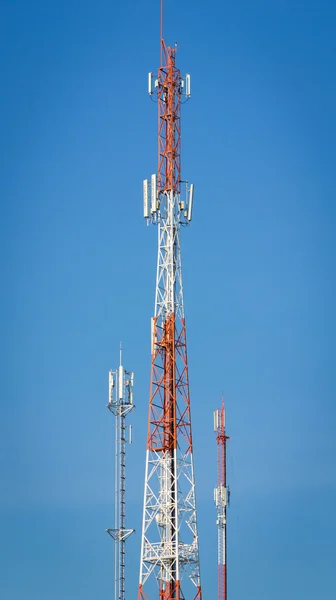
[169, 545]
[222, 498]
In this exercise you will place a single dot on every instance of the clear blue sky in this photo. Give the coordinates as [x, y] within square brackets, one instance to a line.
[78, 135]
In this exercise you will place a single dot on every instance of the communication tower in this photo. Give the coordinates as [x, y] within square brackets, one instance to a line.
[222, 499]
[120, 404]
[169, 544]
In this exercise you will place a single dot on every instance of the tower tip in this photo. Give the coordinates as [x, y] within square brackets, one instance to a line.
[161, 26]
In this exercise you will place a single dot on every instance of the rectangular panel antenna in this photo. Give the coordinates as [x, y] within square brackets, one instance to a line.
[190, 204]
[145, 198]
[216, 420]
[152, 335]
[111, 385]
[153, 191]
[121, 383]
[188, 92]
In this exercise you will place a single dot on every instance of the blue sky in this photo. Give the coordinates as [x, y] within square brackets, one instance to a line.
[78, 136]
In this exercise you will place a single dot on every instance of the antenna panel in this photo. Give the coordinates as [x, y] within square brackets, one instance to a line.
[215, 420]
[111, 386]
[121, 382]
[152, 336]
[153, 192]
[190, 204]
[145, 198]
[188, 92]
[150, 83]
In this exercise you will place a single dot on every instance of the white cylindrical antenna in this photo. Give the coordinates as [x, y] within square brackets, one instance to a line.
[121, 382]
[188, 91]
[190, 204]
[145, 198]
[150, 83]
[153, 191]
[130, 434]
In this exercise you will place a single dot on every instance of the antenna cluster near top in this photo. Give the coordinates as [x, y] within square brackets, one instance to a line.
[152, 197]
[184, 89]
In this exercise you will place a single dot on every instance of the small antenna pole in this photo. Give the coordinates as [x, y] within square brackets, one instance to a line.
[222, 498]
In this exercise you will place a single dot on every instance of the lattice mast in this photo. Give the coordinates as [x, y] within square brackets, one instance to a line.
[120, 404]
[222, 498]
[169, 548]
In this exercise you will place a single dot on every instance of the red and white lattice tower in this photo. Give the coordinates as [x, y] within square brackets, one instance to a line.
[169, 564]
[222, 498]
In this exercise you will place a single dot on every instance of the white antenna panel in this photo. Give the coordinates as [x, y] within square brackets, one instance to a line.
[111, 386]
[153, 335]
[188, 92]
[153, 186]
[150, 83]
[215, 420]
[191, 198]
[121, 383]
[145, 198]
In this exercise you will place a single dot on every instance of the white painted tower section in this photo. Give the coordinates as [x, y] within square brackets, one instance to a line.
[170, 556]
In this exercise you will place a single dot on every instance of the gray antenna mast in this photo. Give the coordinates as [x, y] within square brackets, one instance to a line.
[120, 405]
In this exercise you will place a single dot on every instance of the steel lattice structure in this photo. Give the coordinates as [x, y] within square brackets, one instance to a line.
[222, 498]
[120, 404]
[169, 546]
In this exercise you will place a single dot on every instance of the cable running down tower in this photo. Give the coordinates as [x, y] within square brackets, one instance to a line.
[169, 547]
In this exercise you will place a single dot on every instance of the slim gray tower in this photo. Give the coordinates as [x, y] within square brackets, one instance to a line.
[120, 404]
